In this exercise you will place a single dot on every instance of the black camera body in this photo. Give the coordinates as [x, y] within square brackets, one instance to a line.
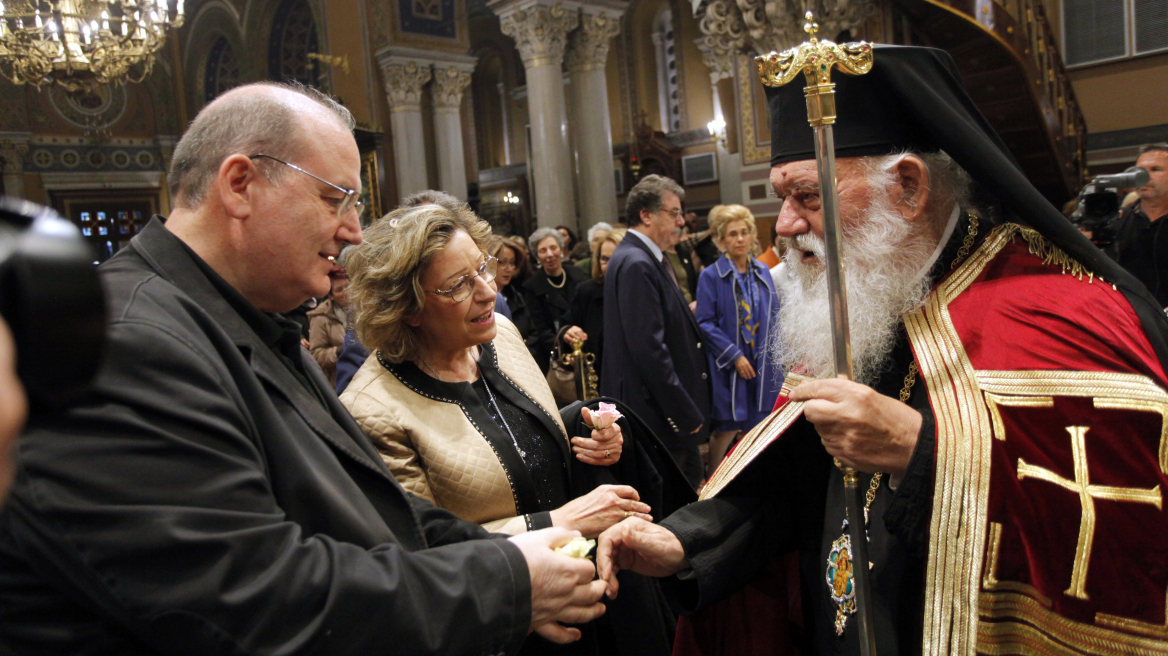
[52, 299]
[1098, 206]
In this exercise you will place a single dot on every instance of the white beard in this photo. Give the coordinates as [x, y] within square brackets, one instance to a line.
[882, 258]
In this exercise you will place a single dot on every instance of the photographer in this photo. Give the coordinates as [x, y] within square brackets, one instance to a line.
[1141, 241]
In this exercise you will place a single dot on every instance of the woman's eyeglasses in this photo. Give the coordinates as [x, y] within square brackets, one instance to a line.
[464, 285]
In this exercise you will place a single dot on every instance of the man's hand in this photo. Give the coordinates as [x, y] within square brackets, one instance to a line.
[562, 589]
[865, 430]
[745, 370]
[637, 545]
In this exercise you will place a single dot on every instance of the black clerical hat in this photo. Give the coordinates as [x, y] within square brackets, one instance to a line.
[913, 99]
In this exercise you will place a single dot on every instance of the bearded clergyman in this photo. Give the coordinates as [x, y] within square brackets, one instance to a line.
[1008, 411]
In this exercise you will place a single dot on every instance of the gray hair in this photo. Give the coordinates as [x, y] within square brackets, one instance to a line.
[542, 234]
[1148, 148]
[599, 226]
[949, 184]
[244, 124]
[646, 195]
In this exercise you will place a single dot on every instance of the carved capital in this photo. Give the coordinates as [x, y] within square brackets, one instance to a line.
[588, 46]
[765, 25]
[719, 54]
[403, 85]
[449, 84]
[12, 153]
[540, 33]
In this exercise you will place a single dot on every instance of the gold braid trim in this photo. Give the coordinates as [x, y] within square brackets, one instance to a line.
[1053, 255]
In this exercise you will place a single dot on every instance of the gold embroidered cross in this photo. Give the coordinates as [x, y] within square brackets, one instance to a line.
[1087, 495]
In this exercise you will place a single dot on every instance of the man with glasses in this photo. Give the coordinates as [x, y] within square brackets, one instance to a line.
[211, 495]
[1141, 241]
[653, 358]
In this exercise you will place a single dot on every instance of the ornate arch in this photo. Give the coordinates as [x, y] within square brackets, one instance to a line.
[216, 24]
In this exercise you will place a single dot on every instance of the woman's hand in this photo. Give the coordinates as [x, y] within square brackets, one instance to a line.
[745, 371]
[599, 509]
[575, 334]
[605, 446]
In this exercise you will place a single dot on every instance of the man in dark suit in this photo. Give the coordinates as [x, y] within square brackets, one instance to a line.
[211, 495]
[653, 358]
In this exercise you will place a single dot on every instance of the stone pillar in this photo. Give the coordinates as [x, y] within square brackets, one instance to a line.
[404, 78]
[13, 148]
[591, 126]
[719, 54]
[449, 84]
[540, 31]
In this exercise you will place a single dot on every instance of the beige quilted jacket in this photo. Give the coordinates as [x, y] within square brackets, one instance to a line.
[431, 445]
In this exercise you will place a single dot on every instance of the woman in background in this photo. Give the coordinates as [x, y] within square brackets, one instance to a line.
[586, 317]
[736, 306]
[550, 289]
[326, 325]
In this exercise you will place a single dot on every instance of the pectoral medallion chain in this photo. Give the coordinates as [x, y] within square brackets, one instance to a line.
[841, 584]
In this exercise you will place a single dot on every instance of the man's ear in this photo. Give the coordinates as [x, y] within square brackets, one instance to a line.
[910, 192]
[646, 218]
[235, 182]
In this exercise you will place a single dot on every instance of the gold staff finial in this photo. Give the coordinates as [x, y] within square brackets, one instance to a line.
[815, 59]
[811, 27]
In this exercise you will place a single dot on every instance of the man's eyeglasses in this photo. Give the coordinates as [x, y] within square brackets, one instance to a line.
[350, 200]
[676, 214]
[464, 285]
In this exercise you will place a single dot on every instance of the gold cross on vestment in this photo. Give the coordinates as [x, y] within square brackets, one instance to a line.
[1087, 495]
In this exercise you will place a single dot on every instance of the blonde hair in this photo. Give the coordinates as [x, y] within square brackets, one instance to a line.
[613, 237]
[723, 215]
[386, 270]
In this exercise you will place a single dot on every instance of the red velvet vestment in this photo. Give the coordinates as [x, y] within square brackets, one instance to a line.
[1049, 531]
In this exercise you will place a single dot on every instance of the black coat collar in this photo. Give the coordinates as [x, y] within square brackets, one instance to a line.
[167, 255]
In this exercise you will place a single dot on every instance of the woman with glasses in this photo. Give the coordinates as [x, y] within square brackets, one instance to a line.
[514, 269]
[737, 306]
[451, 397]
[585, 321]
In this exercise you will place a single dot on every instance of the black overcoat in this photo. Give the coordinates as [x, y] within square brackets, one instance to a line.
[204, 500]
[653, 357]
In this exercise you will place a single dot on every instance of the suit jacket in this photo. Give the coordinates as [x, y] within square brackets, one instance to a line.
[441, 442]
[205, 500]
[653, 357]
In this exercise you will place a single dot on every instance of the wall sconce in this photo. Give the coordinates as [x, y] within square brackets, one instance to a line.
[511, 198]
[717, 128]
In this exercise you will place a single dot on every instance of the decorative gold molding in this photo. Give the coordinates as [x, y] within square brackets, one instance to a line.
[752, 151]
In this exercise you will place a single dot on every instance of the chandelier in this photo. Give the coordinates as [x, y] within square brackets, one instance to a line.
[82, 44]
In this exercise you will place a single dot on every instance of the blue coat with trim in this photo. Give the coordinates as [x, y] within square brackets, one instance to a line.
[718, 317]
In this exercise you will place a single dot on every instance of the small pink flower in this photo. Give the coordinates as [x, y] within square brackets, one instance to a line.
[605, 416]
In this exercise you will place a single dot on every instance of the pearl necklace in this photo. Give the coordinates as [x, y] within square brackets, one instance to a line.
[563, 279]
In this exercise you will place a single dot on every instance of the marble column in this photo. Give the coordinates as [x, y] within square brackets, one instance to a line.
[540, 30]
[719, 54]
[13, 148]
[450, 81]
[591, 125]
[404, 79]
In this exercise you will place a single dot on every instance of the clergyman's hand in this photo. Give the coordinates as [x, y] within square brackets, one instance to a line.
[864, 429]
[562, 589]
[637, 545]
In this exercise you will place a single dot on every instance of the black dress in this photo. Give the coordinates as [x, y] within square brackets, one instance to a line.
[587, 311]
[549, 306]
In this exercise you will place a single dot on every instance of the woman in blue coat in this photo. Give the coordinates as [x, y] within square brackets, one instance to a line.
[736, 307]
